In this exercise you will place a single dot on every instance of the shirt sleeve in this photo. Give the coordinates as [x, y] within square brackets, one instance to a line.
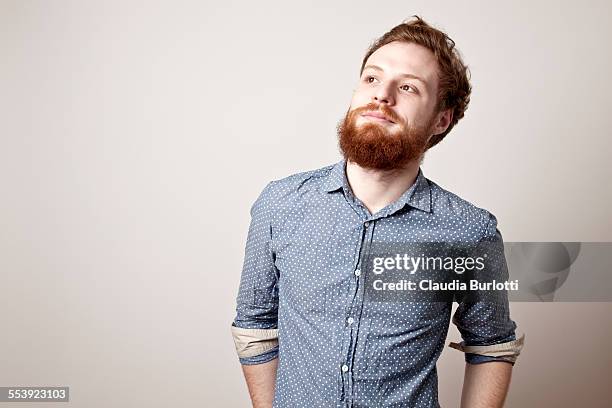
[254, 328]
[484, 322]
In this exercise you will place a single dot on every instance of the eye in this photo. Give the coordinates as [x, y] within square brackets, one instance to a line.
[409, 88]
[370, 79]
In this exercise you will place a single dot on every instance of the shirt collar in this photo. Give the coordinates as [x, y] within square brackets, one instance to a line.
[336, 178]
[417, 196]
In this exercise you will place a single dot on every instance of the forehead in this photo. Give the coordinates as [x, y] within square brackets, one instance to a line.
[398, 58]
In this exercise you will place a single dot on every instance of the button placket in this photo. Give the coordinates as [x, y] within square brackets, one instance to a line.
[357, 308]
[351, 323]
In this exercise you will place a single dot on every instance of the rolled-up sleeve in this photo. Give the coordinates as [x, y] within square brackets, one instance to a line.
[254, 329]
[484, 322]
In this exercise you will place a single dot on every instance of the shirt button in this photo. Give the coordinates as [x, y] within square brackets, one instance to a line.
[365, 224]
[350, 320]
[344, 368]
[358, 272]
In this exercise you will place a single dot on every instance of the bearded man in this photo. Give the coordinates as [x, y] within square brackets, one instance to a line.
[306, 333]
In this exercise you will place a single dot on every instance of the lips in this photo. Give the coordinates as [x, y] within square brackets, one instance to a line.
[377, 115]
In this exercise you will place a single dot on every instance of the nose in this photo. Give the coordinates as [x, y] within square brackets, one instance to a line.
[383, 94]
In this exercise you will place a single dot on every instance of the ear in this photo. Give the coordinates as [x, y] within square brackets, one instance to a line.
[442, 121]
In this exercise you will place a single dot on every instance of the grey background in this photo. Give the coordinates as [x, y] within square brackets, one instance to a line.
[135, 136]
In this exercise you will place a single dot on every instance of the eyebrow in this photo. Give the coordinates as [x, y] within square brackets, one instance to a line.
[377, 68]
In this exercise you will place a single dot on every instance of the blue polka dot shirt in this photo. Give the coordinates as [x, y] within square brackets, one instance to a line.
[302, 278]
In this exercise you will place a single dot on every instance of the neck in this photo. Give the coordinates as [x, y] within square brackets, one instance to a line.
[376, 189]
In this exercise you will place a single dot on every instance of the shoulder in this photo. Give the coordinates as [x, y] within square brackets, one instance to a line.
[299, 181]
[460, 212]
[282, 192]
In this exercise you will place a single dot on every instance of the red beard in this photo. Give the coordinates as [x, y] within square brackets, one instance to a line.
[372, 146]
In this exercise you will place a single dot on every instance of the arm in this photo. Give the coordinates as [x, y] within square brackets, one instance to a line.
[255, 327]
[260, 379]
[485, 385]
[489, 341]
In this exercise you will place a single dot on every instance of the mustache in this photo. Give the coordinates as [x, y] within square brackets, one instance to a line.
[385, 110]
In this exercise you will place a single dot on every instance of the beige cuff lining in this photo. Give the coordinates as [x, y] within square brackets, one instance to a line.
[253, 342]
[508, 351]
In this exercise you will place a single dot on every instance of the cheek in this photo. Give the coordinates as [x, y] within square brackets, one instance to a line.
[408, 113]
[360, 98]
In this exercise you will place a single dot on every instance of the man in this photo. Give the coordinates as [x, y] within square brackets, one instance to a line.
[306, 332]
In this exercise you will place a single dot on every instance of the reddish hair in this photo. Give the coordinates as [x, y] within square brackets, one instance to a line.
[453, 75]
